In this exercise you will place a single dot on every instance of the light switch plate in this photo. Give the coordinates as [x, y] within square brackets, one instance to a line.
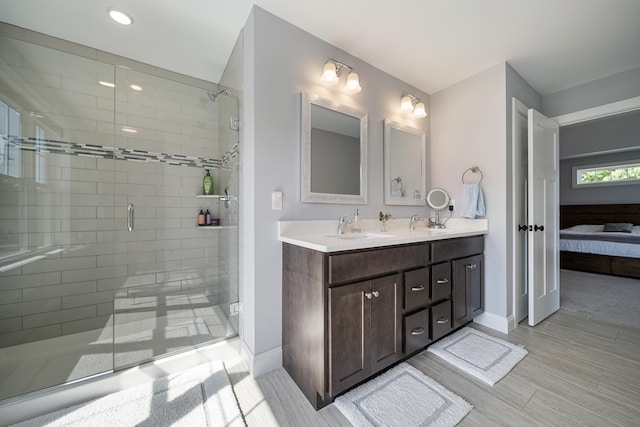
[276, 200]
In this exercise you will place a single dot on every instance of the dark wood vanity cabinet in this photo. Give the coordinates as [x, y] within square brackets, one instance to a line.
[348, 315]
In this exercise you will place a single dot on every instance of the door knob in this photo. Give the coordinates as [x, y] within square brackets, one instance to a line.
[538, 227]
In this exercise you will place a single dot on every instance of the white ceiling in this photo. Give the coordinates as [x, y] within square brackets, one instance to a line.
[430, 44]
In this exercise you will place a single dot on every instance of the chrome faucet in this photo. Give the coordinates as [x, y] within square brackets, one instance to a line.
[342, 222]
[414, 219]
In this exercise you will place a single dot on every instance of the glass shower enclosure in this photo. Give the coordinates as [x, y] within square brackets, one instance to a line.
[103, 265]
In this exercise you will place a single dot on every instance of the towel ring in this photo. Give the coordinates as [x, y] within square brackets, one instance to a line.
[473, 169]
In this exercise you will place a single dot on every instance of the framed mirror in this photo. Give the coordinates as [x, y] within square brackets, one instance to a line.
[334, 152]
[405, 169]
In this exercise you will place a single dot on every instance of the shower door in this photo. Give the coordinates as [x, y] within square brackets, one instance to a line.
[170, 272]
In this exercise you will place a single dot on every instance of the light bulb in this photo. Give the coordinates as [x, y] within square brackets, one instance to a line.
[119, 16]
[330, 75]
[406, 104]
[419, 110]
[353, 83]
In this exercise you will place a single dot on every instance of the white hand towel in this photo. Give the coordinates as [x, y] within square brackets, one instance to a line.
[472, 201]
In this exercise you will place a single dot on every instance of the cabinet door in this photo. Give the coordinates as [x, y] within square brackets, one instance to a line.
[386, 321]
[467, 289]
[349, 314]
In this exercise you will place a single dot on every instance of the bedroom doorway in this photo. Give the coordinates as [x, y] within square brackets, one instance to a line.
[519, 175]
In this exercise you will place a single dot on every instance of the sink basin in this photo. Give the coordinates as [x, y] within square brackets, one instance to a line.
[360, 236]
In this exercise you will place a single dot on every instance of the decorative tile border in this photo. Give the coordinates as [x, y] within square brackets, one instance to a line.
[90, 150]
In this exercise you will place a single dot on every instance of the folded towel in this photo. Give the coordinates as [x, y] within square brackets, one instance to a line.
[472, 201]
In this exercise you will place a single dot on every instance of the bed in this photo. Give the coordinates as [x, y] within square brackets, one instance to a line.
[585, 247]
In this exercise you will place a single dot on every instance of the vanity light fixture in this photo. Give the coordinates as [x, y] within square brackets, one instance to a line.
[331, 74]
[407, 104]
[119, 16]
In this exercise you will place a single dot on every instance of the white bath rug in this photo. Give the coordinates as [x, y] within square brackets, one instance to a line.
[483, 356]
[402, 397]
[201, 396]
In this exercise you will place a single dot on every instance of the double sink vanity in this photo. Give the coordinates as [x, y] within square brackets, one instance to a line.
[357, 303]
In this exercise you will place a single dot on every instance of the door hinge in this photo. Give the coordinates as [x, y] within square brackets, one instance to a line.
[234, 124]
[234, 308]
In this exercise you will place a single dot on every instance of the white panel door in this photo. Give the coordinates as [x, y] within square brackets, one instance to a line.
[520, 184]
[543, 213]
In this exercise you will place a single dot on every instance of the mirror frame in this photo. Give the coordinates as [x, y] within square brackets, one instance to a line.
[434, 206]
[388, 198]
[306, 195]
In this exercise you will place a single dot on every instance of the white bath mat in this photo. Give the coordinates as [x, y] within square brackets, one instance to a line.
[483, 356]
[201, 396]
[402, 397]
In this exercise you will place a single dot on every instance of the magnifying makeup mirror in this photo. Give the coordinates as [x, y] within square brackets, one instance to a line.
[438, 200]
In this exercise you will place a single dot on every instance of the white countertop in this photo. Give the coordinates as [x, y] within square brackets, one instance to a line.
[322, 235]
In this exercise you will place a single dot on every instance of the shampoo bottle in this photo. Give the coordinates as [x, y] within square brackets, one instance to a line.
[207, 184]
[201, 218]
[207, 217]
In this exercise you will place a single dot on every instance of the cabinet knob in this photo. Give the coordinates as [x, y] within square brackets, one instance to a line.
[417, 288]
[417, 331]
[442, 320]
[376, 294]
[369, 295]
[471, 266]
[442, 281]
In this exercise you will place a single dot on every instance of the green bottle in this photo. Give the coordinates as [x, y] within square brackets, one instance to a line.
[207, 184]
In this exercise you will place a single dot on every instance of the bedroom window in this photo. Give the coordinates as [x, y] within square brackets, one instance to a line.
[607, 174]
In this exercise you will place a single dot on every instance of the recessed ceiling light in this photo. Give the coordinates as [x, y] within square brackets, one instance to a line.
[119, 16]
[107, 84]
[136, 88]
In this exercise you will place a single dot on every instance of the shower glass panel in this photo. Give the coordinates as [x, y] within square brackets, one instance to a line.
[102, 263]
[56, 208]
[171, 273]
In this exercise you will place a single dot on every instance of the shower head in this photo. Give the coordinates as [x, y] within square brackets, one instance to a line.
[214, 95]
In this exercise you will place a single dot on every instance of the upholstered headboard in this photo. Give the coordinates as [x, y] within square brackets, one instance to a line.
[571, 215]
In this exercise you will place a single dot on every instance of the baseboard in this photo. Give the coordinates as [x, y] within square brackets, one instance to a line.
[495, 322]
[264, 362]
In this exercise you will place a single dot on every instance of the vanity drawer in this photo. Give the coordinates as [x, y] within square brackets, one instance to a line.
[416, 331]
[441, 319]
[456, 248]
[416, 288]
[440, 281]
[349, 266]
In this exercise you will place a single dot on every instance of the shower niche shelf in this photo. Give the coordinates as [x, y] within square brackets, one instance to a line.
[209, 196]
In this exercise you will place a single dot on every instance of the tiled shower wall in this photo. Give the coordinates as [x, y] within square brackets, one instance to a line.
[82, 153]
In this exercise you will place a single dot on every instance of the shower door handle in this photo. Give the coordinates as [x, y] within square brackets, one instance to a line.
[130, 211]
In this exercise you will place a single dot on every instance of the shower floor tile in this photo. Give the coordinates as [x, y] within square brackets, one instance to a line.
[33, 366]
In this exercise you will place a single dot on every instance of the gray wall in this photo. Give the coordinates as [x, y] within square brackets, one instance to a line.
[468, 128]
[281, 61]
[605, 140]
[614, 88]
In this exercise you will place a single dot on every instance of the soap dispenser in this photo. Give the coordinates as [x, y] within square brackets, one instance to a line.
[355, 225]
[207, 184]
